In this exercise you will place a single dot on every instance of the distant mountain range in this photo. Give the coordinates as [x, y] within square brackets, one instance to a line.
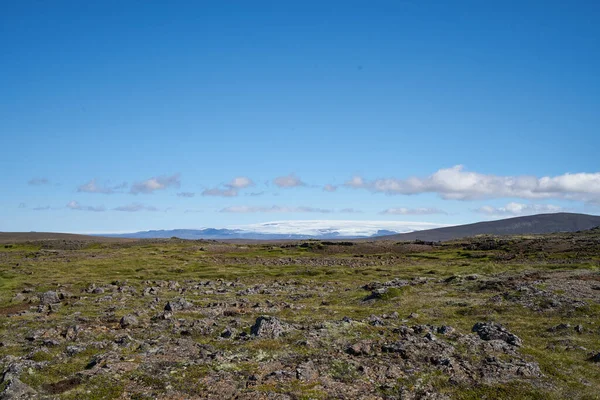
[223, 234]
[533, 224]
[323, 230]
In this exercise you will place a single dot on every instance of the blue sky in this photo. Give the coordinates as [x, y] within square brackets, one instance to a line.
[124, 116]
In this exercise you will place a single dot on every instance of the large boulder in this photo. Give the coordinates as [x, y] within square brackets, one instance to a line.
[15, 389]
[362, 348]
[129, 321]
[11, 387]
[49, 297]
[269, 327]
[178, 304]
[307, 371]
[493, 331]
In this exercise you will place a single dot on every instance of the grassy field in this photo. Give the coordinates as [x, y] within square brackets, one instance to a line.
[352, 320]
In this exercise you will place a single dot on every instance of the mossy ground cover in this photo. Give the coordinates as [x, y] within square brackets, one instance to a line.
[311, 286]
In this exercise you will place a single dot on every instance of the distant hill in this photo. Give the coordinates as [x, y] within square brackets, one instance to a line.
[225, 234]
[192, 234]
[533, 224]
[14, 237]
[208, 233]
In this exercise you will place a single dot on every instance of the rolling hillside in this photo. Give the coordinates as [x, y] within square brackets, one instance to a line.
[14, 237]
[533, 224]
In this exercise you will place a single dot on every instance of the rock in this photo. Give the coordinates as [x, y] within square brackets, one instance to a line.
[34, 335]
[493, 331]
[559, 327]
[445, 330]
[95, 361]
[49, 297]
[165, 315]
[419, 329]
[595, 358]
[359, 349]
[307, 371]
[129, 321]
[11, 387]
[279, 374]
[579, 328]
[15, 389]
[179, 304]
[51, 343]
[19, 298]
[377, 294]
[98, 290]
[494, 366]
[454, 279]
[227, 333]
[490, 361]
[268, 326]
[73, 350]
[127, 289]
[63, 294]
[394, 283]
[124, 340]
[71, 332]
[52, 308]
[150, 291]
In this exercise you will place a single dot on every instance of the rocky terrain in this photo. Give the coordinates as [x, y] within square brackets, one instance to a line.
[486, 317]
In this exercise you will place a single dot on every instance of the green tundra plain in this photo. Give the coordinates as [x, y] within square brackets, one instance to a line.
[480, 318]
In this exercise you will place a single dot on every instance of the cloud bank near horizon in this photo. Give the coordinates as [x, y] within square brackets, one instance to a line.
[442, 196]
[456, 183]
[514, 209]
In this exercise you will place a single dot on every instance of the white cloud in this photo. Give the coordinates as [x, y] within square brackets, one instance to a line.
[93, 187]
[350, 211]
[344, 228]
[135, 207]
[329, 188]
[240, 182]
[273, 209]
[515, 209]
[73, 205]
[255, 194]
[288, 181]
[230, 189]
[356, 182]
[458, 184]
[412, 211]
[220, 192]
[157, 183]
[38, 181]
